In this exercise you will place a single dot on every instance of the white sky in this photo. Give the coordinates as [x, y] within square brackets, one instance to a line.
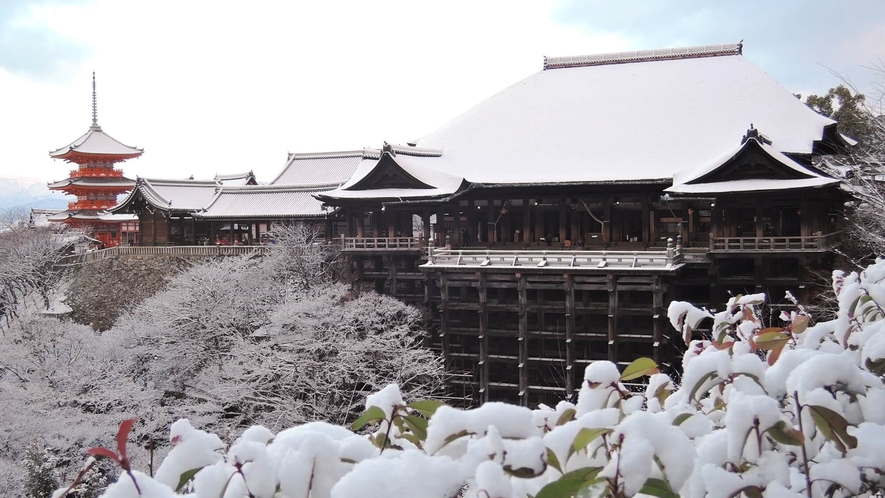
[210, 87]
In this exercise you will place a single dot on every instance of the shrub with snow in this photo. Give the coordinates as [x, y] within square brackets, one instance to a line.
[773, 411]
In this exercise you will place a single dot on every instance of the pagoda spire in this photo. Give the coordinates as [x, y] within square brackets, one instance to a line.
[94, 105]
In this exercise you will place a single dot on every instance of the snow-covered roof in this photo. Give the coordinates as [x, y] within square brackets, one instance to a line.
[91, 216]
[265, 202]
[727, 173]
[97, 142]
[754, 185]
[323, 168]
[173, 195]
[637, 118]
[91, 181]
[247, 178]
[428, 179]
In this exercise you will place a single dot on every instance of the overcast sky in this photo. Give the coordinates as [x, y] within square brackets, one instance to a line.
[215, 86]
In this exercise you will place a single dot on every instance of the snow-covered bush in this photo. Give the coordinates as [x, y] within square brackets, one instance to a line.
[773, 411]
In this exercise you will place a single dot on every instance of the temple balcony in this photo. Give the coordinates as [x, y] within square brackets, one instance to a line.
[96, 173]
[382, 245]
[811, 243]
[590, 261]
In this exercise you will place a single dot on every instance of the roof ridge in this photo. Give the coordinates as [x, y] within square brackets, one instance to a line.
[321, 155]
[693, 52]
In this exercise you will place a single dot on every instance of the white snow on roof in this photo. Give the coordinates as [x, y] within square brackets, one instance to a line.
[328, 168]
[188, 195]
[265, 202]
[631, 121]
[755, 185]
[96, 141]
[236, 179]
[426, 169]
[690, 175]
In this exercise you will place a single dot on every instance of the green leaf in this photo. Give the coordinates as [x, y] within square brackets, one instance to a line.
[411, 438]
[372, 414]
[681, 418]
[417, 425]
[571, 484]
[185, 477]
[567, 416]
[522, 472]
[553, 460]
[784, 434]
[639, 368]
[834, 427]
[452, 437]
[658, 487]
[426, 407]
[584, 437]
[700, 383]
[771, 340]
[800, 323]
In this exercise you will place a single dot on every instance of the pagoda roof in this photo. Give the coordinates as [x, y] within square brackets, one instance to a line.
[91, 216]
[91, 181]
[96, 142]
[265, 202]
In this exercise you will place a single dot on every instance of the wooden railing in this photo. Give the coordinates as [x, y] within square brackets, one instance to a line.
[810, 243]
[381, 243]
[666, 260]
[90, 256]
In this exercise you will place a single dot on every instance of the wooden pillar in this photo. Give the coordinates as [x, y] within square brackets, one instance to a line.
[646, 223]
[576, 227]
[759, 221]
[806, 219]
[483, 340]
[526, 222]
[657, 320]
[562, 220]
[685, 224]
[425, 221]
[523, 341]
[569, 335]
[391, 222]
[607, 222]
[328, 221]
[612, 318]
[539, 224]
[456, 226]
[360, 226]
[444, 320]
[392, 269]
[471, 224]
[758, 265]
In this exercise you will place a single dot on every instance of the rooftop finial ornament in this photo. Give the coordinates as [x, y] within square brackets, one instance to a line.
[94, 104]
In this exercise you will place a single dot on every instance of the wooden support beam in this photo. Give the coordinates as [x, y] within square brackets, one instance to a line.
[658, 320]
[646, 224]
[526, 222]
[444, 320]
[456, 225]
[483, 339]
[613, 318]
[523, 341]
[607, 222]
[392, 269]
[569, 335]
[562, 220]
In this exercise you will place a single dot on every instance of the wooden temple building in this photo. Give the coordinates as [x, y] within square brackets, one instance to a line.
[549, 226]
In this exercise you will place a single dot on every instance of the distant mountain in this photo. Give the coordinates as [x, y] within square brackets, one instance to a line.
[26, 193]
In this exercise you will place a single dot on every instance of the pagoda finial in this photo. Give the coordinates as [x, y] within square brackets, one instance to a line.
[94, 103]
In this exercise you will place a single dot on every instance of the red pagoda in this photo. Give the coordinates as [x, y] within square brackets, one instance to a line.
[96, 183]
